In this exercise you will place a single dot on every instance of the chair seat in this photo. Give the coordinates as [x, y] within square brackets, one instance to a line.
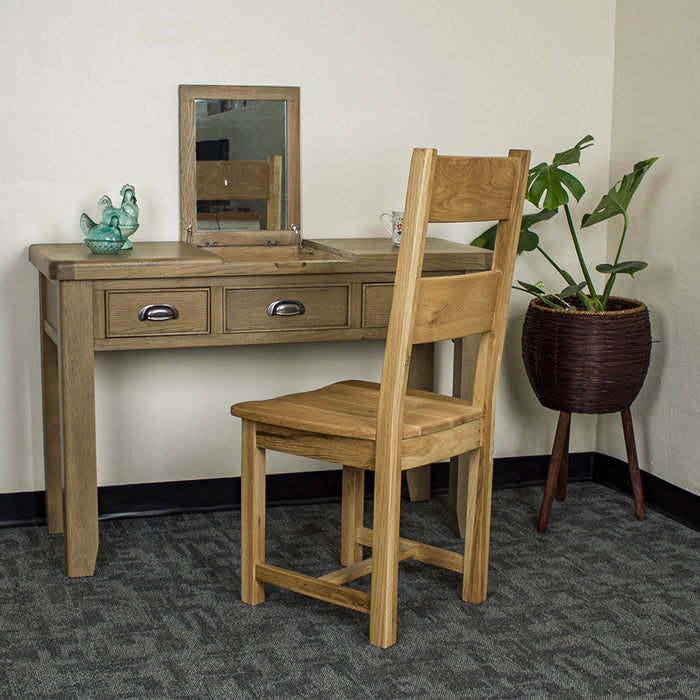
[349, 409]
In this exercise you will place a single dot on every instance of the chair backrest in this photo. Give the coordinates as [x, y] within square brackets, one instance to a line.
[428, 309]
[244, 179]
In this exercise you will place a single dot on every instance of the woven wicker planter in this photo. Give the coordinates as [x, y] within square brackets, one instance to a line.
[584, 362]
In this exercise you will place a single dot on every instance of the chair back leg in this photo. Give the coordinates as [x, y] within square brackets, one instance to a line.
[352, 515]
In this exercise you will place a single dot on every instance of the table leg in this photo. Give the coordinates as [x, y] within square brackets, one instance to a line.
[420, 376]
[77, 378]
[53, 476]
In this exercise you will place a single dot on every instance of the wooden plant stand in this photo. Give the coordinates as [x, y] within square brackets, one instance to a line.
[559, 464]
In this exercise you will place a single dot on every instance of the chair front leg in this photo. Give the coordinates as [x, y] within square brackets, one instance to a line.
[252, 514]
[353, 506]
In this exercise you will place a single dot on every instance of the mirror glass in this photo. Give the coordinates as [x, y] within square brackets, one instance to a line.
[240, 152]
[239, 161]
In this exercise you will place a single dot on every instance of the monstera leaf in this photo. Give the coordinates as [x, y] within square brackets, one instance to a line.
[528, 241]
[548, 182]
[571, 290]
[628, 268]
[553, 186]
[618, 199]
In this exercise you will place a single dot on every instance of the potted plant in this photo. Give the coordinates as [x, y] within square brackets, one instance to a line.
[585, 350]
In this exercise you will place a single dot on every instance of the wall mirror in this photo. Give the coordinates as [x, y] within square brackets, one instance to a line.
[239, 164]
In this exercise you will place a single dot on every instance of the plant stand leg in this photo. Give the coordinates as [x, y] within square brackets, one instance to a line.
[635, 474]
[563, 470]
[560, 456]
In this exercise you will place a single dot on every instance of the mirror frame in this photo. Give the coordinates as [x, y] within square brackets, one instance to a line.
[188, 163]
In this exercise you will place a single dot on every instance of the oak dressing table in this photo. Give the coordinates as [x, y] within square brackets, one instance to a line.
[240, 275]
[174, 294]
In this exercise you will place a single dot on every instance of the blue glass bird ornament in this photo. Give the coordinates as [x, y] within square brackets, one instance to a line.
[127, 215]
[102, 238]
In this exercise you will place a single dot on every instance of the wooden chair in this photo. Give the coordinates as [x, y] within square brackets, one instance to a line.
[244, 179]
[388, 428]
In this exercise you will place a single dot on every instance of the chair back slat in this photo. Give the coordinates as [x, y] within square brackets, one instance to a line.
[455, 306]
[472, 189]
[243, 179]
[451, 189]
[233, 179]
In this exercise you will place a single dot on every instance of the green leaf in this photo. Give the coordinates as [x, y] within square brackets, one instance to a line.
[573, 155]
[532, 288]
[529, 240]
[532, 219]
[487, 239]
[571, 290]
[548, 182]
[551, 300]
[628, 268]
[617, 200]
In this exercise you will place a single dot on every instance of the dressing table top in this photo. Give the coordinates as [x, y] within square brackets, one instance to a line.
[159, 259]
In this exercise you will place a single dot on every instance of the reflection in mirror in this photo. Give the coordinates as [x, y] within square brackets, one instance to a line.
[240, 148]
[239, 161]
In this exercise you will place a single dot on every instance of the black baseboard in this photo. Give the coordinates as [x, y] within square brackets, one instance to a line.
[26, 508]
[166, 498]
[659, 495]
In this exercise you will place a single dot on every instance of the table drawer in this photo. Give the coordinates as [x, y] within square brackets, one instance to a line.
[286, 308]
[376, 304]
[157, 312]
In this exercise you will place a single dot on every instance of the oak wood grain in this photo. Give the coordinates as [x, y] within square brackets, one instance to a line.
[77, 373]
[162, 259]
[53, 469]
[313, 587]
[252, 515]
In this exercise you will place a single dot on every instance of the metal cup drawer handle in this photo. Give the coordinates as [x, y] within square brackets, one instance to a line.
[158, 312]
[286, 308]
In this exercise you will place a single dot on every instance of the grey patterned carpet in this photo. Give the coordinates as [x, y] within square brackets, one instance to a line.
[601, 606]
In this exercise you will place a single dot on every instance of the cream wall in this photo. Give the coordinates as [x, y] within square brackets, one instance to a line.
[657, 112]
[89, 101]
